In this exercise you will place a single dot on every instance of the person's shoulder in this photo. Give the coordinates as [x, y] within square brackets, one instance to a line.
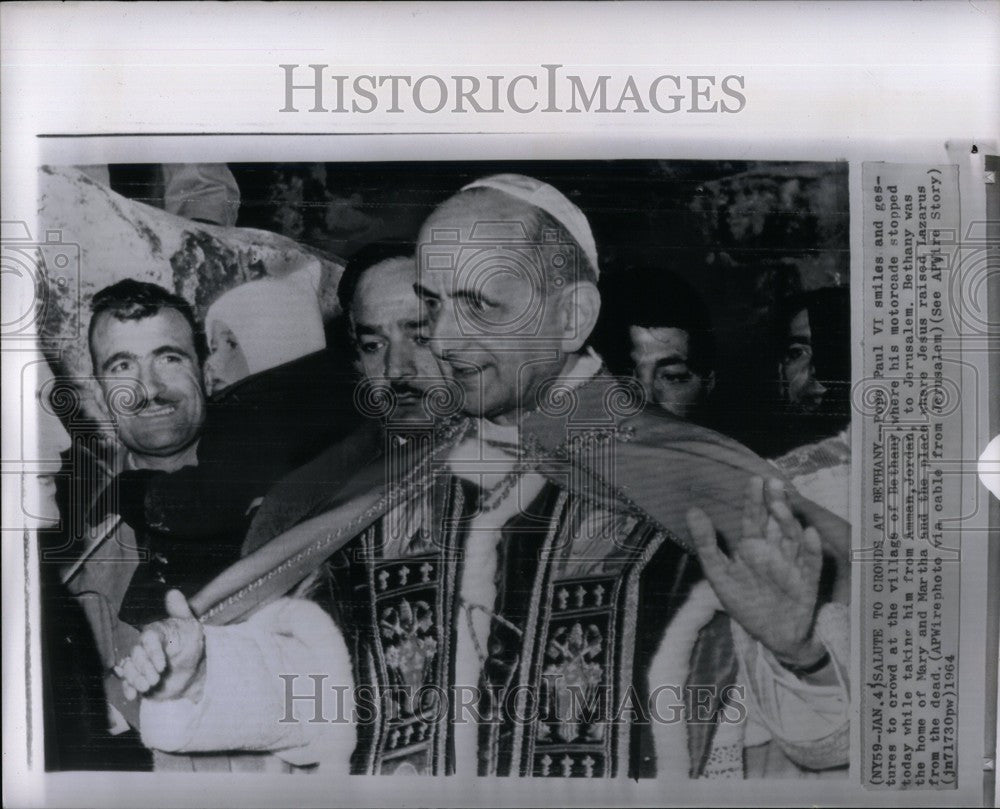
[654, 426]
[302, 490]
[337, 461]
[307, 374]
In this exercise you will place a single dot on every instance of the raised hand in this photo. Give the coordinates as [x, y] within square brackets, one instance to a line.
[169, 660]
[770, 580]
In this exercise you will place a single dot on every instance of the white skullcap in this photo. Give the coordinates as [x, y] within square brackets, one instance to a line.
[552, 201]
[275, 320]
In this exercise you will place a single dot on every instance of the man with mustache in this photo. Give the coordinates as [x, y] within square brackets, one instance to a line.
[562, 577]
[402, 392]
[144, 351]
[384, 323]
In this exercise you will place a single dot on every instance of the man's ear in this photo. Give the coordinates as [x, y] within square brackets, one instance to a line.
[580, 307]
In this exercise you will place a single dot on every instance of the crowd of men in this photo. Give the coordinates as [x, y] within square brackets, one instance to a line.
[527, 557]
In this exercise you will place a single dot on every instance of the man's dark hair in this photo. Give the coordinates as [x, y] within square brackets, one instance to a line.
[652, 297]
[366, 258]
[136, 300]
[829, 311]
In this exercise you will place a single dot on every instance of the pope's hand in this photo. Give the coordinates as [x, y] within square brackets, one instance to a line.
[169, 660]
[769, 581]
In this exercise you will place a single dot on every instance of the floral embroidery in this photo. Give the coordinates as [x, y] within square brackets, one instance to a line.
[571, 680]
[410, 641]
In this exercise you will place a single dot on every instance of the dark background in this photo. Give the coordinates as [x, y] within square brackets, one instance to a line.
[744, 234]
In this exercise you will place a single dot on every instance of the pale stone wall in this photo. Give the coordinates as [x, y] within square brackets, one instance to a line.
[119, 238]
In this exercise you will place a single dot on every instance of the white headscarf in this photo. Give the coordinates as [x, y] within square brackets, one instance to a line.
[275, 320]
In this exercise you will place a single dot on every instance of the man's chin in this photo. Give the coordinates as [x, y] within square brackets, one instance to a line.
[161, 445]
[408, 411]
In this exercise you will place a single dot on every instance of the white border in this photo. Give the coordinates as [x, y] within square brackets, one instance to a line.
[888, 81]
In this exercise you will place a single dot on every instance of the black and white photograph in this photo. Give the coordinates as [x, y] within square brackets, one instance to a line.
[500, 404]
[532, 469]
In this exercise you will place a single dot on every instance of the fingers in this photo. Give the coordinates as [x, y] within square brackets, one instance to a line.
[754, 513]
[153, 645]
[143, 664]
[141, 670]
[703, 532]
[811, 555]
[834, 532]
[791, 530]
[177, 605]
[132, 673]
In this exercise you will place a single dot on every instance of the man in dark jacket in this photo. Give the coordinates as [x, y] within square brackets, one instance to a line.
[284, 404]
[396, 367]
[144, 349]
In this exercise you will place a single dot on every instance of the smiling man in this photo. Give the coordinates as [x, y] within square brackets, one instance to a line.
[143, 347]
[510, 294]
[539, 592]
[142, 344]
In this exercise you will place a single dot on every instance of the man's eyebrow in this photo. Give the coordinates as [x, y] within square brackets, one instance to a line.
[473, 295]
[415, 323]
[118, 355]
[424, 292]
[671, 359]
[365, 328]
[804, 339]
[171, 349]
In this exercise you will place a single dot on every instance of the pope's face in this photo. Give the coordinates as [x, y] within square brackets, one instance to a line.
[491, 317]
[389, 333]
[660, 356]
[148, 371]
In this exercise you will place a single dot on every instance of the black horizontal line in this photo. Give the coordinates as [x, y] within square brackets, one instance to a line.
[260, 134]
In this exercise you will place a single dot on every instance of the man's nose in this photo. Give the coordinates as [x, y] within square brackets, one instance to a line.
[150, 382]
[816, 388]
[399, 362]
[445, 332]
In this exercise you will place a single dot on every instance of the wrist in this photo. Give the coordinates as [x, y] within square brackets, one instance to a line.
[808, 658]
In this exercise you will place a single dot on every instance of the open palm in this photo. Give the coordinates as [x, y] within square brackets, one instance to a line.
[770, 579]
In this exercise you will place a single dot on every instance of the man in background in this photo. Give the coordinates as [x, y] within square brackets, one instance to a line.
[384, 323]
[813, 415]
[812, 348]
[656, 328]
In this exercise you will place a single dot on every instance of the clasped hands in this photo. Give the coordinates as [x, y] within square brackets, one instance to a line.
[768, 583]
[169, 660]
